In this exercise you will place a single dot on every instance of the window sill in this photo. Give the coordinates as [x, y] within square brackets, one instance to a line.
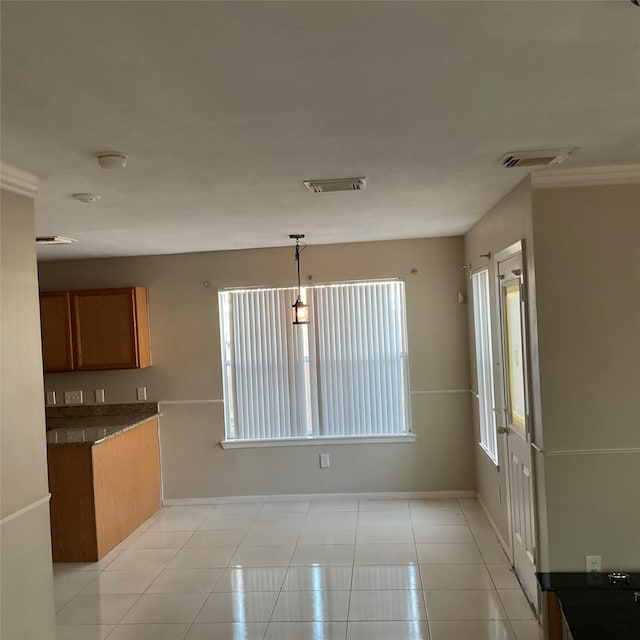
[486, 451]
[297, 442]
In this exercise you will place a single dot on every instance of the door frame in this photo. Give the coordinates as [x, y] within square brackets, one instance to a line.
[499, 257]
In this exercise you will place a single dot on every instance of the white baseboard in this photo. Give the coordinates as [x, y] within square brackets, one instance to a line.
[382, 495]
[506, 548]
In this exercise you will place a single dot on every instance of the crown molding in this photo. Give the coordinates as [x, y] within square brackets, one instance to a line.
[18, 181]
[586, 176]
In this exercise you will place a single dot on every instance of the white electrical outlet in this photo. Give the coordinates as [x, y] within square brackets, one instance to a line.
[141, 393]
[594, 564]
[51, 398]
[325, 461]
[73, 397]
[99, 395]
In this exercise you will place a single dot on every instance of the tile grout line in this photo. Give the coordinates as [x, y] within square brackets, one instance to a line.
[495, 588]
[415, 547]
[275, 604]
[353, 570]
[193, 532]
[246, 530]
[216, 582]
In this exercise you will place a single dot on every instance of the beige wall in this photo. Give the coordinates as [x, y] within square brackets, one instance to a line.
[26, 582]
[587, 250]
[186, 368]
[584, 332]
[508, 222]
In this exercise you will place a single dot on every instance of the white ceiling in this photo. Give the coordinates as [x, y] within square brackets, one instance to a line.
[224, 108]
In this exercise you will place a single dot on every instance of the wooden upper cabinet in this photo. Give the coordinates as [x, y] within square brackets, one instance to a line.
[55, 320]
[109, 329]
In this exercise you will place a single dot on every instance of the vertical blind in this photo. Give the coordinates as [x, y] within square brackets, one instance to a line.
[484, 359]
[361, 358]
[345, 374]
[264, 369]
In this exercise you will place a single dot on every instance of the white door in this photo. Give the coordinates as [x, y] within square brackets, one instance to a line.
[516, 421]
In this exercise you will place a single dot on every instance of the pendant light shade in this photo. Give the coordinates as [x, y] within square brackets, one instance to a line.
[301, 312]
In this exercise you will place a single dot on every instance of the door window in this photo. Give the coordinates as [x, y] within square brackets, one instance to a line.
[514, 355]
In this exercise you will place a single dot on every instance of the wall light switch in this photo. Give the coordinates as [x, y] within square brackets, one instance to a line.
[51, 398]
[141, 393]
[325, 462]
[99, 395]
[73, 397]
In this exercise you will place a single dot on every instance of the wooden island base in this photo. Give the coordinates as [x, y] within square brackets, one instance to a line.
[102, 492]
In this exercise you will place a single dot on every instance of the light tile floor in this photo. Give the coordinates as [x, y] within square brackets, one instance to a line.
[325, 570]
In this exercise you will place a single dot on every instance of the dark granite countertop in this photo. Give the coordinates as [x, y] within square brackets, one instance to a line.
[581, 581]
[90, 424]
[593, 608]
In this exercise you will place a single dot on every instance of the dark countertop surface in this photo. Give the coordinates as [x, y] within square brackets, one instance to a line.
[568, 581]
[595, 609]
[87, 425]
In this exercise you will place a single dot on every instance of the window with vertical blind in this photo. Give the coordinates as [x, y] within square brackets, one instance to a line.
[484, 359]
[344, 375]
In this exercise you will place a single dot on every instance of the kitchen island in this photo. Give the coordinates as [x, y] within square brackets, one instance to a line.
[104, 476]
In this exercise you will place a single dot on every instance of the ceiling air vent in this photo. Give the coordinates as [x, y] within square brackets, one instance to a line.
[535, 158]
[336, 184]
[54, 240]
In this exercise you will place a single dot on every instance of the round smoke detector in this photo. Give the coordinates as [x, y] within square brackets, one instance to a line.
[86, 197]
[112, 159]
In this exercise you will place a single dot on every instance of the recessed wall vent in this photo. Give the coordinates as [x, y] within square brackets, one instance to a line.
[54, 240]
[336, 184]
[535, 158]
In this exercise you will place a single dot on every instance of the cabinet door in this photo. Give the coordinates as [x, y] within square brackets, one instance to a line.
[105, 327]
[55, 325]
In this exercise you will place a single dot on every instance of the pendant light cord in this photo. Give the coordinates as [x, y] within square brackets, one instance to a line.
[298, 252]
[298, 262]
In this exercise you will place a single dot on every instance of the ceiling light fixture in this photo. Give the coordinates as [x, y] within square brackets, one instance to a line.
[301, 311]
[87, 198]
[54, 240]
[336, 184]
[112, 159]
